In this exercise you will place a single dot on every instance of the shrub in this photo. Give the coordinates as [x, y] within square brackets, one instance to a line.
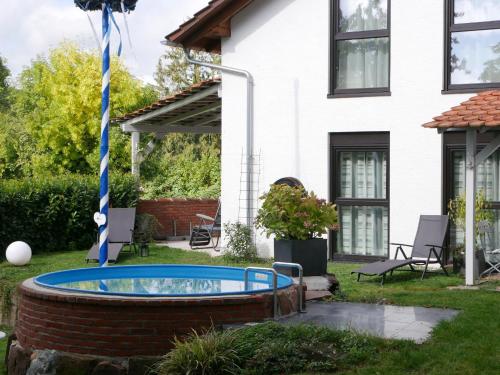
[56, 213]
[210, 354]
[240, 246]
[268, 348]
[292, 213]
[146, 228]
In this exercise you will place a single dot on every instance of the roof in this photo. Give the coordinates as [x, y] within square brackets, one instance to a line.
[482, 109]
[196, 109]
[205, 30]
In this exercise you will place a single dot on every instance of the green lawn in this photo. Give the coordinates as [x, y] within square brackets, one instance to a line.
[470, 344]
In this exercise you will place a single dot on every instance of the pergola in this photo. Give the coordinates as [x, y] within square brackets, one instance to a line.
[196, 110]
[481, 113]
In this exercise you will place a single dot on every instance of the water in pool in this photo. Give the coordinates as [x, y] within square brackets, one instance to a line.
[163, 285]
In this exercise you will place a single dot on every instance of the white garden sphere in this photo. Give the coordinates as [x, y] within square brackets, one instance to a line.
[18, 253]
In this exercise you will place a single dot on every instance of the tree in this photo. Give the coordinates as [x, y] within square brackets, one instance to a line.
[4, 85]
[183, 165]
[174, 73]
[491, 72]
[59, 101]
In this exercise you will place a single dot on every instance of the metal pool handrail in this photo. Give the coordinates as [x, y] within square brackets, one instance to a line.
[301, 274]
[275, 285]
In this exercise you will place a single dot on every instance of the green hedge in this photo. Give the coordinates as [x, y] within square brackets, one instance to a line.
[56, 213]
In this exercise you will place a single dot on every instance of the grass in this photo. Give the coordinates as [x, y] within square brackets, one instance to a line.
[470, 344]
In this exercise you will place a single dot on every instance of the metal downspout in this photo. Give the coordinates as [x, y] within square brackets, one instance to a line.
[249, 127]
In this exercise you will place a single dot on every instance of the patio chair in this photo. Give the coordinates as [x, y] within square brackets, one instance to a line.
[121, 233]
[202, 235]
[491, 255]
[427, 249]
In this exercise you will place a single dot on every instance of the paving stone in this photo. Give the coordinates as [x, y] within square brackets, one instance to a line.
[411, 323]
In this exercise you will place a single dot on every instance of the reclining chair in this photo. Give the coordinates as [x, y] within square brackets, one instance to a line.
[427, 248]
[121, 233]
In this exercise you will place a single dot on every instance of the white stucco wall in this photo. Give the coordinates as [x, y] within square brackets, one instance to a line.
[284, 44]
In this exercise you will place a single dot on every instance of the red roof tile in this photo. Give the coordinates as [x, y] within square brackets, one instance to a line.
[169, 99]
[482, 109]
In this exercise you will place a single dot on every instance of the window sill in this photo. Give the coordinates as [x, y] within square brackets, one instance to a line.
[470, 90]
[358, 94]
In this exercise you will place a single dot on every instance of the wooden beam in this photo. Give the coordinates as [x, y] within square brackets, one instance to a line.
[488, 150]
[470, 206]
[170, 107]
[185, 116]
[222, 30]
[190, 130]
[200, 29]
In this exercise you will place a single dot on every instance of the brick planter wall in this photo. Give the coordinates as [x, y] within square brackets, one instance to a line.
[183, 211]
[129, 326]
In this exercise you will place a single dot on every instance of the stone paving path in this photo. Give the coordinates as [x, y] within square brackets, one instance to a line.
[397, 322]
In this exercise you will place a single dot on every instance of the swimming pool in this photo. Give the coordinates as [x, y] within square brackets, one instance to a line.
[134, 311]
[162, 280]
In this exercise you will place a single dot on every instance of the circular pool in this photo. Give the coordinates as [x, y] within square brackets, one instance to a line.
[126, 311]
[162, 281]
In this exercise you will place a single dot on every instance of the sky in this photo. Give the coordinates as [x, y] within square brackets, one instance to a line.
[32, 27]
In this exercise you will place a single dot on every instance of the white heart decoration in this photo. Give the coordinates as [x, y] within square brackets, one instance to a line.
[100, 219]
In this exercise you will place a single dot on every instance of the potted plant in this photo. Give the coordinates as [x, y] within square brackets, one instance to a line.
[297, 219]
[484, 218]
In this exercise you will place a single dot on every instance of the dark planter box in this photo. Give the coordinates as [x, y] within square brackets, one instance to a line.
[310, 254]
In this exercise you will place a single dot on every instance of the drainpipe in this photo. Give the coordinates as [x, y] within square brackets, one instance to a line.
[249, 127]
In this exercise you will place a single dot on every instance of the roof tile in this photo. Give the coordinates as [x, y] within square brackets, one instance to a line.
[482, 109]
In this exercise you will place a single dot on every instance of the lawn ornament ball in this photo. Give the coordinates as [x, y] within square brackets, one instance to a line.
[18, 253]
[107, 7]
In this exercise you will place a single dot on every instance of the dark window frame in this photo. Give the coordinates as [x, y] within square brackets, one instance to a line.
[348, 142]
[449, 28]
[335, 36]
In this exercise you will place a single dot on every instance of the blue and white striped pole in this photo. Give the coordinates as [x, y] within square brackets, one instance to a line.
[104, 149]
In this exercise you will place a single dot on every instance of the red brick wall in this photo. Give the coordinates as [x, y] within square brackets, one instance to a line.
[183, 211]
[124, 327]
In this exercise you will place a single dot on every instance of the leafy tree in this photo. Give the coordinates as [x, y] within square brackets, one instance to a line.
[491, 72]
[174, 73]
[59, 100]
[4, 85]
[183, 165]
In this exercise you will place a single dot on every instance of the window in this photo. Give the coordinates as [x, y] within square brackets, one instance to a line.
[472, 45]
[359, 51]
[359, 181]
[487, 181]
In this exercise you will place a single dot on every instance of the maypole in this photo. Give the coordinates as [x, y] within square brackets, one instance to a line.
[104, 149]
[107, 7]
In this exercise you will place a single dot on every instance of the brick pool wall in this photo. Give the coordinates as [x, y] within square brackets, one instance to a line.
[127, 326]
[183, 211]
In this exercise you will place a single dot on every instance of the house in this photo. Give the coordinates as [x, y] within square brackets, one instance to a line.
[341, 89]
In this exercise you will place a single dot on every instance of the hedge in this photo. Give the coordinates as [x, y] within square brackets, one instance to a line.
[56, 213]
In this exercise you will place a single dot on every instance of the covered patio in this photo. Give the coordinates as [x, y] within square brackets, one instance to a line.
[196, 110]
[479, 114]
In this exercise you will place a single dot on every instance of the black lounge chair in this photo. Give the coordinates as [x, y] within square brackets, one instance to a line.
[121, 233]
[202, 235]
[426, 249]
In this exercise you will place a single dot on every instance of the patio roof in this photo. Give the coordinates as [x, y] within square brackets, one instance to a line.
[478, 114]
[194, 110]
[482, 110]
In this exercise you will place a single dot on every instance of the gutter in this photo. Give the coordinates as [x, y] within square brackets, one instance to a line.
[249, 147]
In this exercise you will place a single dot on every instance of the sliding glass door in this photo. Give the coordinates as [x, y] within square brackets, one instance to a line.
[359, 181]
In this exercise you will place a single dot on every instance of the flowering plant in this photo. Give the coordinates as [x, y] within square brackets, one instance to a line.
[292, 213]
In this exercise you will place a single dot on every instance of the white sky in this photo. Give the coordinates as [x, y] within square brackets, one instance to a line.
[31, 27]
